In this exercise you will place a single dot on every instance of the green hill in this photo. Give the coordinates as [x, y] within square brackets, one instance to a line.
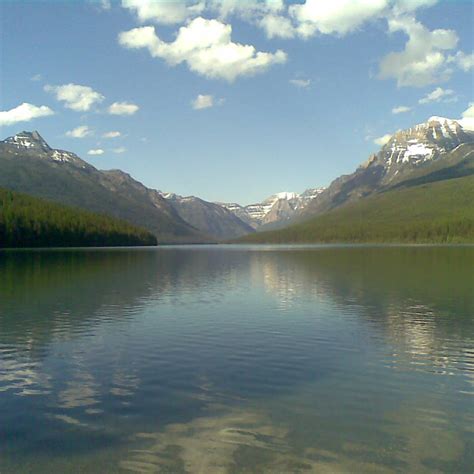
[437, 212]
[26, 221]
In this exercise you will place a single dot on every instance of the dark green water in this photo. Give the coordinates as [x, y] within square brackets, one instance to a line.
[237, 359]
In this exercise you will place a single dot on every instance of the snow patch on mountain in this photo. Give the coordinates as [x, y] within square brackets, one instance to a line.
[278, 207]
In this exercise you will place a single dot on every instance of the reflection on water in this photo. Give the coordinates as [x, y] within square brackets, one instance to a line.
[237, 359]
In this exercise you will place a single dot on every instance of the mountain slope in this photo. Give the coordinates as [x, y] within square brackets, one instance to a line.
[409, 153]
[28, 164]
[435, 212]
[26, 221]
[210, 218]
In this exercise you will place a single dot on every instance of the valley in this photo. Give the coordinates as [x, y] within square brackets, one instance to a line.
[353, 208]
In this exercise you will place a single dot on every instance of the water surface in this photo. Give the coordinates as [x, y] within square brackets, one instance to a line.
[237, 359]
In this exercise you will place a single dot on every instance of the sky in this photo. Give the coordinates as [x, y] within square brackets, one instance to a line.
[232, 100]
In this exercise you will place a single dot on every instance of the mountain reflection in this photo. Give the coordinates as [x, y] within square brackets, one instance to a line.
[404, 292]
[235, 350]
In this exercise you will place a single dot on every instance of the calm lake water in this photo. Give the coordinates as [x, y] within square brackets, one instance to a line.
[237, 360]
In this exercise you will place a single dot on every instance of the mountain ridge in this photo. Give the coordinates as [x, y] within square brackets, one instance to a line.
[31, 166]
[434, 150]
[404, 193]
[408, 151]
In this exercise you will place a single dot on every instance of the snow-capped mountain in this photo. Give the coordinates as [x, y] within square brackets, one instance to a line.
[407, 154]
[276, 208]
[32, 143]
[420, 144]
[29, 165]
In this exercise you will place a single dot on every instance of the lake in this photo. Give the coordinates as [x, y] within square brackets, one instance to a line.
[237, 359]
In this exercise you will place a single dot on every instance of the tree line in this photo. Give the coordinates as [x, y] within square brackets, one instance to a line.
[27, 221]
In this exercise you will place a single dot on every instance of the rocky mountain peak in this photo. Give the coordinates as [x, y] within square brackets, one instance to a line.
[29, 140]
[421, 143]
[34, 145]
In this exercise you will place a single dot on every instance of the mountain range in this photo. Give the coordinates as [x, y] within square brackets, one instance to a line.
[436, 150]
[278, 208]
[418, 187]
[29, 165]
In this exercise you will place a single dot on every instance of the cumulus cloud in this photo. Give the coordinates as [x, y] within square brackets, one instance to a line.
[169, 12]
[112, 134]
[202, 102]
[23, 113]
[123, 108]
[383, 140]
[120, 149]
[302, 83]
[277, 17]
[96, 151]
[438, 95]
[76, 97]
[401, 109]
[335, 16]
[207, 49]
[467, 120]
[423, 61]
[80, 132]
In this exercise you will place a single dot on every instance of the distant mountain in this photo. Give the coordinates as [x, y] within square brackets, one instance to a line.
[27, 221]
[277, 209]
[28, 164]
[419, 187]
[436, 212]
[210, 218]
[408, 153]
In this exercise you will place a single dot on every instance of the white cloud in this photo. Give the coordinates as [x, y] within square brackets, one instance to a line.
[96, 151]
[36, 77]
[438, 95]
[168, 12]
[467, 120]
[123, 108]
[112, 134]
[401, 109]
[383, 140]
[80, 132]
[203, 102]
[423, 61]
[120, 149]
[462, 60]
[277, 26]
[76, 97]
[206, 47]
[334, 16]
[23, 113]
[302, 83]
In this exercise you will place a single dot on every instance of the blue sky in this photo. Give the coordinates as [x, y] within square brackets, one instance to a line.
[227, 100]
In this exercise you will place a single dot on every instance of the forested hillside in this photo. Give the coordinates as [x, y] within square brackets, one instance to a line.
[439, 212]
[27, 221]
